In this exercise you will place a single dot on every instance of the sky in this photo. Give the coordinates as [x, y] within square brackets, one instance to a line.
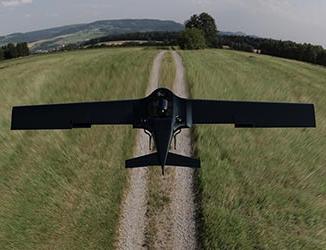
[297, 20]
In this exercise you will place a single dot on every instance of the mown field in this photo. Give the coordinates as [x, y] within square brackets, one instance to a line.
[260, 188]
[62, 189]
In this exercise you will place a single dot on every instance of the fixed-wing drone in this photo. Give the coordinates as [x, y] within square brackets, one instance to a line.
[162, 115]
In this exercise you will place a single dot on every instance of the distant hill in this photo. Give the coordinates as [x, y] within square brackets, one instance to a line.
[58, 36]
[54, 38]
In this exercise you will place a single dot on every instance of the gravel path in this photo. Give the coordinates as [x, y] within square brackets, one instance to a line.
[176, 223]
[133, 220]
[183, 196]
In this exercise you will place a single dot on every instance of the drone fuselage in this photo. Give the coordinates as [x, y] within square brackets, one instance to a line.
[162, 114]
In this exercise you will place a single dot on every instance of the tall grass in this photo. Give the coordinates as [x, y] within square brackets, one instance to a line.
[260, 188]
[62, 189]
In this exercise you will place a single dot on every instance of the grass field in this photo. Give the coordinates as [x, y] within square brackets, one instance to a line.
[260, 189]
[62, 190]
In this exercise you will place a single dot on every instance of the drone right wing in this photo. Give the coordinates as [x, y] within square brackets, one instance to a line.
[253, 114]
[72, 115]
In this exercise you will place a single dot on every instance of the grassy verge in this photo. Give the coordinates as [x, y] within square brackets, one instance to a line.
[261, 189]
[62, 189]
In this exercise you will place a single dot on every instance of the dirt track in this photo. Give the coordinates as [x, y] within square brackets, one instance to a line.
[175, 224]
[133, 219]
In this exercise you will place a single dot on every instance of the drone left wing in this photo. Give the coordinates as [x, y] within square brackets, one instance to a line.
[73, 115]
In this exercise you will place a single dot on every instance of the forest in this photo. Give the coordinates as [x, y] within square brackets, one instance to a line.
[11, 50]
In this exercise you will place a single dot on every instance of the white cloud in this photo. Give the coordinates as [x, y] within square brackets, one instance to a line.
[10, 3]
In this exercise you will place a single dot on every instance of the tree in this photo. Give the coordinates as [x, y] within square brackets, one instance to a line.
[206, 23]
[10, 51]
[1, 54]
[192, 38]
[322, 58]
[20, 49]
[309, 54]
[25, 48]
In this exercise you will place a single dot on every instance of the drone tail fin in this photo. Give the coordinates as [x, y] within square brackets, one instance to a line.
[182, 161]
[172, 160]
[143, 161]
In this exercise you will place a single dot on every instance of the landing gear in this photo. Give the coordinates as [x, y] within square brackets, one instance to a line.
[150, 139]
[175, 138]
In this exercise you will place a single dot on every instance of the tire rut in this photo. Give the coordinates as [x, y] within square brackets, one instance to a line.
[183, 198]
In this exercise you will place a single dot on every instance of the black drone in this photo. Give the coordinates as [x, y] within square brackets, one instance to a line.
[162, 115]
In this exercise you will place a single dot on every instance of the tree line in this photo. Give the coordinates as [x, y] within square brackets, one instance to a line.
[11, 50]
[135, 39]
[201, 32]
[286, 49]
[167, 38]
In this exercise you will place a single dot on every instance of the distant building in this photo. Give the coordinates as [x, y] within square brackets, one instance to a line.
[226, 47]
[257, 51]
[41, 51]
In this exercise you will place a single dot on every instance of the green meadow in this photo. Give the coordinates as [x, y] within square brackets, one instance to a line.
[260, 188]
[62, 189]
[257, 189]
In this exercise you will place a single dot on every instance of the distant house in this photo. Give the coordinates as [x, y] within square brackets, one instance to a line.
[41, 51]
[257, 51]
[226, 47]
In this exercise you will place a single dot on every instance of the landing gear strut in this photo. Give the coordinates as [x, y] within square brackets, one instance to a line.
[175, 138]
[150, 139]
